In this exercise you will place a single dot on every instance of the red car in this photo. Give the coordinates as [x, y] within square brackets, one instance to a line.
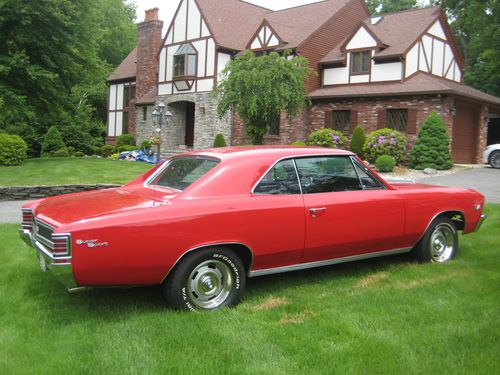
[200, 223]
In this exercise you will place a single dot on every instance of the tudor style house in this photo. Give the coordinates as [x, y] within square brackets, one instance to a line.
[390, 70]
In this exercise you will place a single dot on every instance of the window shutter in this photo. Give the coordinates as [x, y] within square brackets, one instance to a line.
[382, 119]
[328, 119]
[353, 120]
[412, 121]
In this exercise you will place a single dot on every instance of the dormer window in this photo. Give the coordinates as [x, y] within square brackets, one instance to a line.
[185, 61]
[360, 62]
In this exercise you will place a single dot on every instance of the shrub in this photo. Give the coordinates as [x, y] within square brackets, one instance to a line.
[299, 143]
[96, 150]
[12, 149]
[146, 145]
[385, 142]
[61, 153]
[76, 137]
[71, 150]
[106, 151]
[327, 138]
[431, 150]
[125, 139]
[78, 154]
[114, 156]
[219, 140]
[52, 141]
[126, 148]
[358, 141]
[385, 163]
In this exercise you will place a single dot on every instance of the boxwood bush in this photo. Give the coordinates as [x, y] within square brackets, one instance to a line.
[52, 141]
[78, 154]
[385, 142]
[125, 139]
[106, 151]
[12, 149]
[385, 163]
[431, 150]
[327, 138]
[61, 153]
[219, 140]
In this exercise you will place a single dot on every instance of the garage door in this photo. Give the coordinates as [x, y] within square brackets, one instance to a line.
[465, 133]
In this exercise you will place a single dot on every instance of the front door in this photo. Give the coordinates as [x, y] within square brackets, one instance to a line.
[189, 141]
[347, 214]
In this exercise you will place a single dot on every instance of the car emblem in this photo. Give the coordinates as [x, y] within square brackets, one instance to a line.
[91, 243]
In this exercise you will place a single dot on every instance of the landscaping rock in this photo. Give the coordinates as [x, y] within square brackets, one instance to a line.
[12, 193]
[430, 171]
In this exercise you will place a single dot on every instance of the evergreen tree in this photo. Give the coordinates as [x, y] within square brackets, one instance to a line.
[358, 141]
[431, 150]
[52, 141]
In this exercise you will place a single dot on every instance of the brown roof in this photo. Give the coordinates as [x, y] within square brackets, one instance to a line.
[401, 29]
[418, 84]
[234, 22]
[295, 25]
[148, 98]
[127, 69]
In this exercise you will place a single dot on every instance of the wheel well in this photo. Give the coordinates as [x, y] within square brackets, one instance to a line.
[241, 250]
[457, 217]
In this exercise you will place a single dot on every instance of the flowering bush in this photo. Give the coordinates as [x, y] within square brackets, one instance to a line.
[327, 138]
[385, 142]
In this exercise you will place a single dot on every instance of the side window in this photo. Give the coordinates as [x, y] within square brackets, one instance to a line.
[327, 174]
[367, 180]
[281, 179]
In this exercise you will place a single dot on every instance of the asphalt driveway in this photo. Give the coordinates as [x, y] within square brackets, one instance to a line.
[486, 180]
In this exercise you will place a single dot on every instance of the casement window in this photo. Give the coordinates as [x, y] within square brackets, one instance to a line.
[360, 62]
[185, 61]
[341, 121]
[274, 125]
[128, 94]
[397, 119]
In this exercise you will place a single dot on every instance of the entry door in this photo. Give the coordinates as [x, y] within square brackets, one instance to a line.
[189, 141]
[344, 217]
[465, 133]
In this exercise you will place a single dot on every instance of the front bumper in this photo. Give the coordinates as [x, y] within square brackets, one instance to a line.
[480, 222]
[62, 270]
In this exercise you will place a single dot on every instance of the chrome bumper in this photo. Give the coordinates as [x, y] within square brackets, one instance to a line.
[62, 271]
[480, 222]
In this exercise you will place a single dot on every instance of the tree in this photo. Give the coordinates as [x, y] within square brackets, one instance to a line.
[358, 140]
[259, 88]
[389, 6]
[52, 141]
[431, 150]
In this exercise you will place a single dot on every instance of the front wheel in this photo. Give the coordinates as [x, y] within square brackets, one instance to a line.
[439, 243]
[495, 159]
[206, 280]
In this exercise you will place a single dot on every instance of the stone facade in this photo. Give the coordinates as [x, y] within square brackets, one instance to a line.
[207, 124]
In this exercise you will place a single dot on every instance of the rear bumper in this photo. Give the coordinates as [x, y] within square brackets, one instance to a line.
[480, 222]
[61, 269]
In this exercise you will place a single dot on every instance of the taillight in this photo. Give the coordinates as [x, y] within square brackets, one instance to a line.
[27, 222]
[62, 246]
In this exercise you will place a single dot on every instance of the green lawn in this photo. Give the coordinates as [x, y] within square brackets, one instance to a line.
[385, 316]
[60, 171]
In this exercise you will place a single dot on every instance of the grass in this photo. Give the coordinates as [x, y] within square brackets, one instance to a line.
[384, 316]
[60, 171]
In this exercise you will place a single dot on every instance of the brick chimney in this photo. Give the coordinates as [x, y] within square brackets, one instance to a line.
[148, 45]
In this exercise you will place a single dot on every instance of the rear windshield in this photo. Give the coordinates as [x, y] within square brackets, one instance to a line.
[182, 172]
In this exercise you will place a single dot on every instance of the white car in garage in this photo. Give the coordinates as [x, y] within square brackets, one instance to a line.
[491, 155]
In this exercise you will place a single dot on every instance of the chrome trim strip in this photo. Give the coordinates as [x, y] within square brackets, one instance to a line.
[480, 222]
[320, 263]
[209, 245]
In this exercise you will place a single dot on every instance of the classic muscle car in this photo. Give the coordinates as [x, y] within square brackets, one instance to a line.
[202, 222]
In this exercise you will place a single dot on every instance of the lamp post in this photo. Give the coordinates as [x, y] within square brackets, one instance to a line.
[161, 116]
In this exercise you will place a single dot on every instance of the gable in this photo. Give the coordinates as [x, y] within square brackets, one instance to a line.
[187, 24]
[264, 38]
[361, 39]
[437, 30]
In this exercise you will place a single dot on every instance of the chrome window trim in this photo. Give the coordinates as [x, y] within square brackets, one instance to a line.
[368, 172]
[293, 158]
[205, 246]
[321, 263]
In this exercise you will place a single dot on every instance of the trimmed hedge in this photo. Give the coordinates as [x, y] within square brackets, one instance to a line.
[12, 149]
[385, 142]
[385, 163]
[327, 138]
[431, 150]
[61, 153]
[219, 140]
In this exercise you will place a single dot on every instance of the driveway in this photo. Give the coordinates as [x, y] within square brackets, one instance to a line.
[10, 211]
[486, 180]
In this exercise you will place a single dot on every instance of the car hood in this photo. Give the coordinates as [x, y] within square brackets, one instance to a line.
[69, 208]
[405, 185]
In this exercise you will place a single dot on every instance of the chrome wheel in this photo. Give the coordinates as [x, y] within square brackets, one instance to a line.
[442, 242]
[209, 284]
[495, 159]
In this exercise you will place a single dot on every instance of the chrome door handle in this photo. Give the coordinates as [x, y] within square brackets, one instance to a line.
[315, 211]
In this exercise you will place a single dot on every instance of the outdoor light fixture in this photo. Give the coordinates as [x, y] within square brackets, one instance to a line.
[161, 116]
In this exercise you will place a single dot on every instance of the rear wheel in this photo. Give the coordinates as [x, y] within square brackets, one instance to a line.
[495, 159]
[206, 280]
[439, 243]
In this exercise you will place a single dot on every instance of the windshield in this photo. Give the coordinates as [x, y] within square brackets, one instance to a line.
[182, 172]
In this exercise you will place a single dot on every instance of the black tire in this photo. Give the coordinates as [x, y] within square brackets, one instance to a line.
[206, 280]
[494, 159]
[439, 243]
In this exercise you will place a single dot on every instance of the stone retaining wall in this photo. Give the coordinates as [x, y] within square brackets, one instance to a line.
[13, 193]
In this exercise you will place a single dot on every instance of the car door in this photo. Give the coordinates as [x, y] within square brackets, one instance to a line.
[347, 210]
